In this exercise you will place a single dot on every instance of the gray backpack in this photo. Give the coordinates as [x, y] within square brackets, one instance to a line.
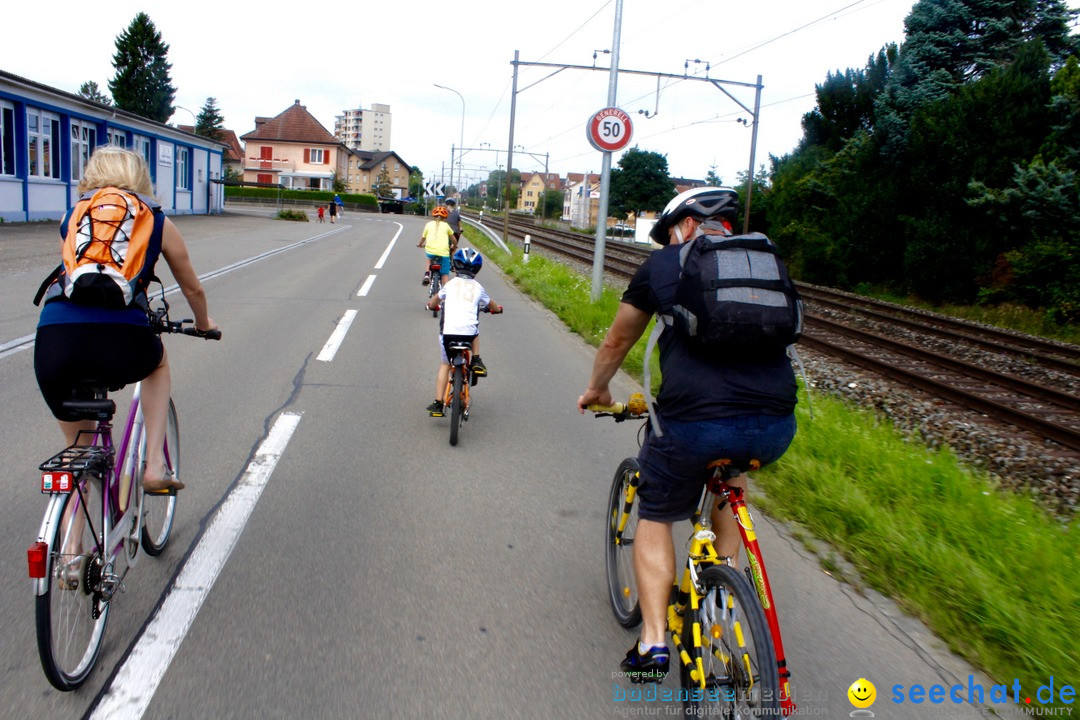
[734, 292]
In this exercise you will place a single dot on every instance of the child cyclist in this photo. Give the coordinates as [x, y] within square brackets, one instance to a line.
[438, 242]
[462, 299]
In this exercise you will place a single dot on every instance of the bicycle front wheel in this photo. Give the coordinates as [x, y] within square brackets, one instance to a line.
[159, 510]
[621, 529]
[433, 289]
[457, 403]
[729, 644]
[70, 615]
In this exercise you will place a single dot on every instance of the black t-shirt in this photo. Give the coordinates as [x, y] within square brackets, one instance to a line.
[454, 220]
[701, 386]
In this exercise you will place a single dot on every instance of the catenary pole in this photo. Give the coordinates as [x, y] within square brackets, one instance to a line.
[605, 168]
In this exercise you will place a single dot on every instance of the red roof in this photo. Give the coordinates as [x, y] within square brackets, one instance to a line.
[295, 124]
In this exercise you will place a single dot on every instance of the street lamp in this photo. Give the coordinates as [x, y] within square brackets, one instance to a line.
[194, 120]
[461, 142]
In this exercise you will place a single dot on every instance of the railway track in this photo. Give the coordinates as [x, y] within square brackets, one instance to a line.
[1038, 391]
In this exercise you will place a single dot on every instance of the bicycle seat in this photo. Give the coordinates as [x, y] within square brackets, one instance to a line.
[459, 345]
[91, 401]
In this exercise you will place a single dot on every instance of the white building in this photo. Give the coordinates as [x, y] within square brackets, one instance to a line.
[364, 129]
[47, 135]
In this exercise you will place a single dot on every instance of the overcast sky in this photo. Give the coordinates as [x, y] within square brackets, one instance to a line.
[256, 58]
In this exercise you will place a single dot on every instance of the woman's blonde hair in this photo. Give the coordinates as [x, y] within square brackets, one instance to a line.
[111, 166]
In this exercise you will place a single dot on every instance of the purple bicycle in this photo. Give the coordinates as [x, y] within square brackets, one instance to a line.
[97, 520]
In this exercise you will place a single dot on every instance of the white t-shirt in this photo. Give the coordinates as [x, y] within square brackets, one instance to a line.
[461, 299]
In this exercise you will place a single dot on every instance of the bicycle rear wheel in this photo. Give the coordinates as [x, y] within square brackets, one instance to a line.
[457, 403]
[159, 510]
[735, 650]
[621, 529]
[68, 633]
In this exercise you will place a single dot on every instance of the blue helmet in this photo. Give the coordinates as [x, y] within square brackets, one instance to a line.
[466, 261]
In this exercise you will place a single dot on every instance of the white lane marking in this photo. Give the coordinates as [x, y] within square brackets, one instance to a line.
[135, 683]
[386, 252]
[13, 346]
[27, 341]
[366, 286]
[336, 337]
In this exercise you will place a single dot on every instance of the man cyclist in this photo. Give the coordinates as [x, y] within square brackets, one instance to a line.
[709, 406]
[454, 219]
[438, 241]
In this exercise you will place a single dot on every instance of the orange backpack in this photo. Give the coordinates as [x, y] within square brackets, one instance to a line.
[112, 239]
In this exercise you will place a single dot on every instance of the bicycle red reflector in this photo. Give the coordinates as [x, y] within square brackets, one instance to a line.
[36, 556]
[57, 482]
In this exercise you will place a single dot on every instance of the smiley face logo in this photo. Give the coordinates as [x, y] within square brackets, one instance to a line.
[862, 693]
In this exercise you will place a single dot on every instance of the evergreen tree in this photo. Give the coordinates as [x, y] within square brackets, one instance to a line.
[209, 123]
[845, 103]
[953, 42]
[90, 91]
[142, 84]
[640, 184]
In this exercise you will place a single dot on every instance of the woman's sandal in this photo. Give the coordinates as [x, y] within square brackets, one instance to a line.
[167, 485]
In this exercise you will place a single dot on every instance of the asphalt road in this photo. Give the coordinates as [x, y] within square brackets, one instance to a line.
[379, 572]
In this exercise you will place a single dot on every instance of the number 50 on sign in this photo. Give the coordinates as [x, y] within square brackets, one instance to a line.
[609, 130]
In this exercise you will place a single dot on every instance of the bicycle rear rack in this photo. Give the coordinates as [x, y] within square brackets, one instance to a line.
[78, 459]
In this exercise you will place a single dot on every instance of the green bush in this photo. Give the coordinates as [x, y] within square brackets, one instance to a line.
[299, 215]
[315, 196]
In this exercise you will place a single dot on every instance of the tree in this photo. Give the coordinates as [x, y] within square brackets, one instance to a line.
[416, 182]
[142, 84]
[383, 187]
[90, 91]
[952, 43]
[712, 179]
[640, 184]
[551, 204]
[497, 188]
[209, 123]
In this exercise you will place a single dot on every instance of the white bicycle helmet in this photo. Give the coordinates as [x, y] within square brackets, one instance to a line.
[702, 203]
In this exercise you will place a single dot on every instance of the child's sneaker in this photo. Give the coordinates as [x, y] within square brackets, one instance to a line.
[426, 280]
[477, 367]
[650, 667]
[435, 409]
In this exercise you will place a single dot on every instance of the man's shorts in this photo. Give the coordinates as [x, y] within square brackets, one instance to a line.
[674, 467]
[443, 259]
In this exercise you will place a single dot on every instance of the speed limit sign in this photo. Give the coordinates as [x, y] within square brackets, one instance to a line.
[609, 130]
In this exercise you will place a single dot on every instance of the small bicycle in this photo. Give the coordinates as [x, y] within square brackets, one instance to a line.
[723, 623]
[461, 378]
[97, 520]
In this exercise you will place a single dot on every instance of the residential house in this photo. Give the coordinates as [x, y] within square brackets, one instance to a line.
[294, 150]
[533, 187]
[233, 158]
[47, 136]
[365, 168]
[581, 199]
[684, 184]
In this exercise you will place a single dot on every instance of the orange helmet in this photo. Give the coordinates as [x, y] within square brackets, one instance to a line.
[440, 211]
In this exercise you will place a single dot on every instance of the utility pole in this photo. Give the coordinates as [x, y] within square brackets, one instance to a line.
[605, 168]
[510, 155]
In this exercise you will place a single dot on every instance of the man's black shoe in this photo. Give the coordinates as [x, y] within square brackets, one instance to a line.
[650, 667]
